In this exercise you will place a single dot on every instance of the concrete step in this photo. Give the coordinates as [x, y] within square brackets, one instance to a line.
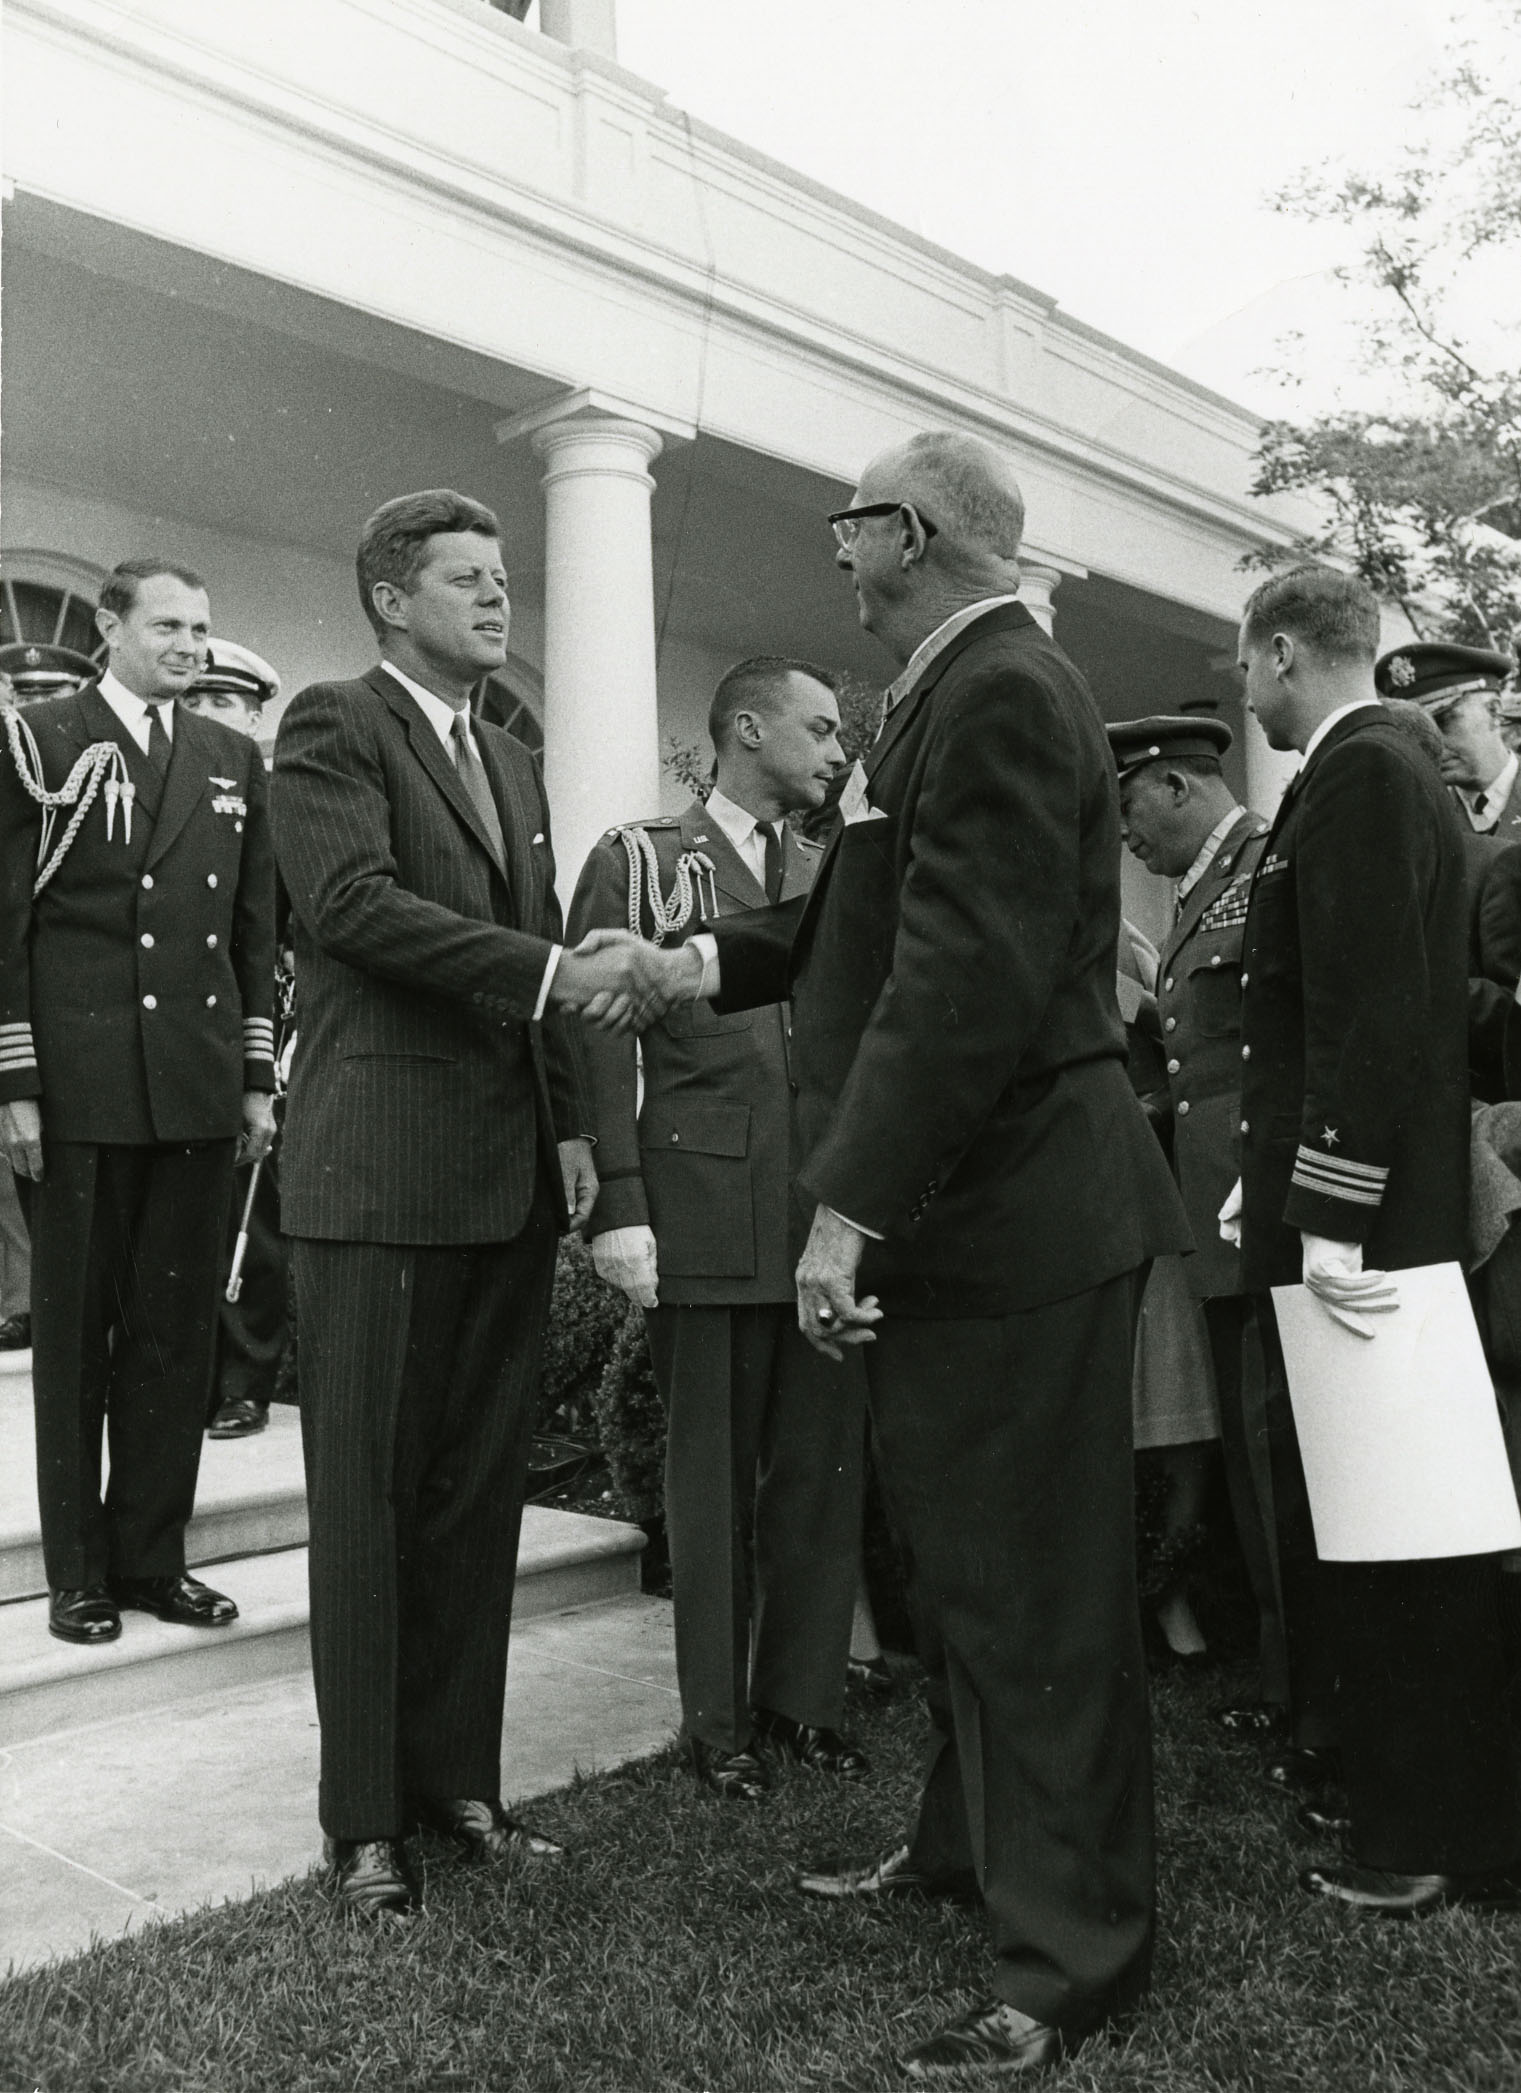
[566, 1562]
[251, 1498]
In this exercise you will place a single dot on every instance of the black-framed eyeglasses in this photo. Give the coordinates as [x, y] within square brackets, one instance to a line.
[846, 523]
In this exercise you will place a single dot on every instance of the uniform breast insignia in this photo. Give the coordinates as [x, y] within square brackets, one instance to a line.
[1270, 864]
[228, 803]
[1228, 910]
[226, 784]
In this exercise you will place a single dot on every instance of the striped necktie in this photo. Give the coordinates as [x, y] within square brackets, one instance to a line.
[472, 775]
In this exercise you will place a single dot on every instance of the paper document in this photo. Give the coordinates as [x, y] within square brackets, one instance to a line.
[1400, 1434]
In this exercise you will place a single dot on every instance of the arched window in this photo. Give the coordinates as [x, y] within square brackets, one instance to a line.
[48, 600]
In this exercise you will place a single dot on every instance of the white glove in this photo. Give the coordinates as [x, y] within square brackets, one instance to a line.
[1229, 1217]
[1333, 1272]
[625, 1258]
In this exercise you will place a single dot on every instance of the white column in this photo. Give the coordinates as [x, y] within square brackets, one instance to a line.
[1268, 770]
[1037, 587]
[601, 726]
[590, 25]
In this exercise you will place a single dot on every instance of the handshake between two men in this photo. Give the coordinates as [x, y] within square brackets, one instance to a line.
[617, 982]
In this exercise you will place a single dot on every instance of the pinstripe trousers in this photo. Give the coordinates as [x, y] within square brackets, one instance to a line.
[418, 1370]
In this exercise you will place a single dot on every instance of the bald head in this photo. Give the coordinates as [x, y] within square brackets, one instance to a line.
[966, 488]
[948, 535]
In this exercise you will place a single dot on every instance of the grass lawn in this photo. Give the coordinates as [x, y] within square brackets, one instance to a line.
[667, 1954]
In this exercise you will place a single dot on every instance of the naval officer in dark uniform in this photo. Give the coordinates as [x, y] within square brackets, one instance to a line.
[763, 1470]
[137, 972]
[1354, 1113]
[1183, 822]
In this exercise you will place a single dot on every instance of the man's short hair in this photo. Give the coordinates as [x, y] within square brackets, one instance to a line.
[972, 493]
[121, 585]
[392, 543]
[1334, 614]
[1194, 766]
[756, 686]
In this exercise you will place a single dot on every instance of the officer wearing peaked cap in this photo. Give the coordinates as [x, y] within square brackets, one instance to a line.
[136, 1047]
[1180, 818]
[44, 672]
[236, 673]
[1459, 690]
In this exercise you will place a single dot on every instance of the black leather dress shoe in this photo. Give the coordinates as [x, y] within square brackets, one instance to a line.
[16, 1333]
[1249, 1718]
[371, 1876]
[83, 1616]
[820, 1750]
[890, 1876]
[738, 1776]
[239, 1419]
[182, 1600]
[485, 1831]
[1301, 1767]
[991, 2041]
[1381, 1891]
[1322, 1824]
[871, 1676]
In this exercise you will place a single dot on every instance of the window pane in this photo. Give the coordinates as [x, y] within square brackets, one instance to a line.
[79, 628]
[37, 607]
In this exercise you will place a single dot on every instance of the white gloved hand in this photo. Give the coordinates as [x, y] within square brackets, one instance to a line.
[1333, 1273]
[625, 1258]
[1229, 1217]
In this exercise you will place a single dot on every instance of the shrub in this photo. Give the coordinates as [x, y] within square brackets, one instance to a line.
[630, 1425]
[585, 1317]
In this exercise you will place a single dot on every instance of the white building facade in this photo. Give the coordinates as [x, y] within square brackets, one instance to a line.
[267, 267]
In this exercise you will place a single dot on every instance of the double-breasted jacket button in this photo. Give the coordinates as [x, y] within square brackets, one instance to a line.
[1246, 1053]
[1214, 959]
[1167, 984]
[1182, 1107]
[150, 1002]
[1173, 1067]
[146, 940]
[211, 942]
[211, 1002]
[1171, 1025]
[211, 879]
[1245, 1128]
[1244, 979]
[147, 879]
[675, 1138]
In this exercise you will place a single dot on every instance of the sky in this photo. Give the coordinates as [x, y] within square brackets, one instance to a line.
[1116, 154]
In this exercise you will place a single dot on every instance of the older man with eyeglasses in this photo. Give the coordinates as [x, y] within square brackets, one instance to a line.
[987, 1195]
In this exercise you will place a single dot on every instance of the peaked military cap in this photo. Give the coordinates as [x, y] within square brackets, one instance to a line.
[45, 672]
[1436, 673]
[239, 670]
[1137, 742]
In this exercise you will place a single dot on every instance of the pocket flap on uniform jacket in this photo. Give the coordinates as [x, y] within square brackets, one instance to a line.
[702, 1126]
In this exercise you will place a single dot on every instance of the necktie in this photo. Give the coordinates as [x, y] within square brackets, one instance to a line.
[472, 775]
[773, 860]
[1480, 803]
[158, 740]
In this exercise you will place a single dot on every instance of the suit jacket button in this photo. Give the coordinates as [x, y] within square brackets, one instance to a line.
[1167, 984]
[1173, 1067]
[1171, 1025]
[1182, 1107]
[1245, 1128]
[211, 880]
[1244, 979]
[146, 940]
[211, 942]
[150, 1002]
[211, 1002]
[147, 879]
[1215, 961]
[1246, 1053]
[675, 1137]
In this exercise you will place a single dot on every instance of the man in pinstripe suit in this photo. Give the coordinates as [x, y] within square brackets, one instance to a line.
[435, 1146]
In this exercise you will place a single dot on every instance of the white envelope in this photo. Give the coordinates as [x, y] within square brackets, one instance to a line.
[1400, 1435]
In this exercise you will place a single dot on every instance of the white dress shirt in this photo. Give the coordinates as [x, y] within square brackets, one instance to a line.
[1496, 797]
[930, 650]
[743, 830]
[440, 715]
[133, 711]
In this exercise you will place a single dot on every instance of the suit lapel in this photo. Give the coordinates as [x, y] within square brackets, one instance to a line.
[731, 875]
[97, 722]
[1217, 878]
[1009, 617]
[185, 782]
[431, 753]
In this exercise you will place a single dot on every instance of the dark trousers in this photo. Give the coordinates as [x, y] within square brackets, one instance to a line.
[251, 1331]
[763, 1489]
[1004, 1448]
[1403, 1664]
[418, 1370]
[1240, 1384]
[126, 1244]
